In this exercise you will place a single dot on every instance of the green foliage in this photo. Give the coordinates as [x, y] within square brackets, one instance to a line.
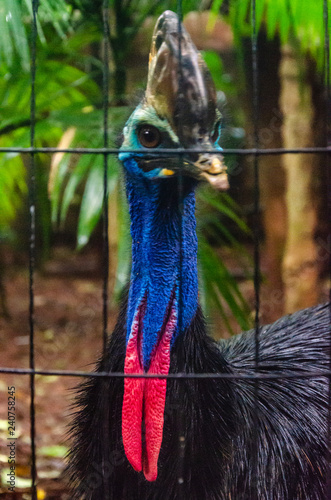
[219, 287]
[124, 243]
[14, 38]
[299, 22]
[215, 66]
[63, 91]
[82, 178]
[12, 188]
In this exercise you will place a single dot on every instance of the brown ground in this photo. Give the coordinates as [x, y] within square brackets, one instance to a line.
[68, 336]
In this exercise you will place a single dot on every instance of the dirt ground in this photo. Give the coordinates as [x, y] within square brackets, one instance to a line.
[68, 336]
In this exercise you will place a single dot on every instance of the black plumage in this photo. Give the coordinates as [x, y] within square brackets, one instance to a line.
[221, 438]
[218, 418]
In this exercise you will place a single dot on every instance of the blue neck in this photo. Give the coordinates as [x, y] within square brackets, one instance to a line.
[162, 267]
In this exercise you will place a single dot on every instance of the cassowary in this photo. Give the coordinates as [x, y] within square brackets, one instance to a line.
[193, 439]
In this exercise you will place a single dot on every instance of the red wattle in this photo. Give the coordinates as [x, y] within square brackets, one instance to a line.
[155, 395]
[144, 399]
[132, 408]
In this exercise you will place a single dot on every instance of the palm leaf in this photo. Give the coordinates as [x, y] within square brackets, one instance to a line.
[300, 20]
[221, 286]
[13, 33]
[15, 22]
[92, 200]
[12, 187]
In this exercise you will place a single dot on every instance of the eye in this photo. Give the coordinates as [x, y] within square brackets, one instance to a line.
[214, 135]
[149, 136]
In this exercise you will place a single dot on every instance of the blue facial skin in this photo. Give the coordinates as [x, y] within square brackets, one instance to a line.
[164, 242]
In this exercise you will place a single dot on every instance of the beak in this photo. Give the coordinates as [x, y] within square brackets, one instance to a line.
[212, 169]
[181, 90]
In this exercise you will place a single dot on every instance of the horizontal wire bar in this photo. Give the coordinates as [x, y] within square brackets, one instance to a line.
[167, 151]
[236, 376]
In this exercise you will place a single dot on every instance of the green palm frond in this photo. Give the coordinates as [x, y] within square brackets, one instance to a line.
[218, 221]
[15, 25]
[298, 21]
[63, 92]
[219, 287]
[83, 176]
[12, 188]
[80, 181]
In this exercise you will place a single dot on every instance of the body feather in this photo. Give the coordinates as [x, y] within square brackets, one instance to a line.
[218, 419]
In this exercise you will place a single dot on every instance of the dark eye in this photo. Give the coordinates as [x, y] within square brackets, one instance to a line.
[149, 136]
[214, 135]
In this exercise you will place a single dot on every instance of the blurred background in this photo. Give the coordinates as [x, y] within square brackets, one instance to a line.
[292, 223]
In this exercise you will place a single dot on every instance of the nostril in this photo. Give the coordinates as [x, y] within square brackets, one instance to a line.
[202, 160]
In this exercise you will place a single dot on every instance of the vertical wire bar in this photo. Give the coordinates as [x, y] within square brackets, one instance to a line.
[32, 248]
[328, 166]
[181, 443]
[105, 15]
[256, 182]
[256, 242]
[105, 230]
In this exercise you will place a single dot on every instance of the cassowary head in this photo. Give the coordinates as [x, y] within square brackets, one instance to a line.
[178, 111]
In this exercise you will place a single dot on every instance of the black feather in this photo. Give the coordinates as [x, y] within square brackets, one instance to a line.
[218, 419]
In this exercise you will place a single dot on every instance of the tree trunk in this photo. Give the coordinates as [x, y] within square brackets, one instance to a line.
[300, 264]
[272, 180]
[271, 173]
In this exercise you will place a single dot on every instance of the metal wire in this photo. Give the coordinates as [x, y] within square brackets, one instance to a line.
[174, 152]
[255, 451]
[32, 249]
[181, 436]
[106, 31]
[185, 376]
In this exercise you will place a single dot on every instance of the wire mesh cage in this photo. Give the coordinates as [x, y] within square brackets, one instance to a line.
[255, 151]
